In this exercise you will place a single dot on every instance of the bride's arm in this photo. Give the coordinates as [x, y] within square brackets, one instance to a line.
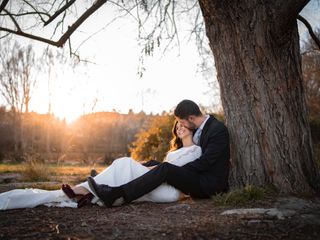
[185, 157]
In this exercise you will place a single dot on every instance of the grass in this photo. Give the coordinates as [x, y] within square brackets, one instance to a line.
[11, 168]
[33, 171]
[243, 196]
[73, 170]
[44, 186]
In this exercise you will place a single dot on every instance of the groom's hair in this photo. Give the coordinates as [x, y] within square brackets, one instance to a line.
[187, 108]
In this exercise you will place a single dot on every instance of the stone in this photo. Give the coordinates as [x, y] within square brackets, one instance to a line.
[178, 207]
[294, 203]
[274, 212]
[254, 221]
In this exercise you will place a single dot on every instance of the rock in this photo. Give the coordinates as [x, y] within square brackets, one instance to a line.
[84, 224]
[178, 207]
[245, 211]
[280, 214]
[294, 203]
[274, 212]
[254, 221]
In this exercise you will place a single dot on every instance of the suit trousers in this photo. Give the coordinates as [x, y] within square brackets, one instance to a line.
[181, 178]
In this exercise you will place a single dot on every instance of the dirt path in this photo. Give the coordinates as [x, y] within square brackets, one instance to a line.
[187, 219]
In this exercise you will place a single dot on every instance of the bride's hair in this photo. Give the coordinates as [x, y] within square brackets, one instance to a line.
[175, 142]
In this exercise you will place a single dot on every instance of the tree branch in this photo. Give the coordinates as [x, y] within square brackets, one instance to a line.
[30, 5]
[287, 13]
[13, 20]
[57, 13]
[27, 35]
[82, 18]
[3, 5]
[67, 34]
[26, 13]
[311, 32]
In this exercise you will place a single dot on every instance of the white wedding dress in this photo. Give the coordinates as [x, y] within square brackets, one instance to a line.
[121, 171]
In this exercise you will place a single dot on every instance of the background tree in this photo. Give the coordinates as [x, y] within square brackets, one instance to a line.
[18, 70]
[311, 80]
[311, 75]
[17, 80]
[153, 142]
[257, 56]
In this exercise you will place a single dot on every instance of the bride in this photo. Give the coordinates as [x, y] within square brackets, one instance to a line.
[121, 171]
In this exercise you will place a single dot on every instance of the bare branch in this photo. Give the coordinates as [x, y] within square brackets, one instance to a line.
[82, 18]
[125, 9]
[27, 35]
[30, 5]
[4, 36]
[3, 5]
[98, 31]
[26, 13]
[13, 20]
[57, 13]
[311, 32]
[67, 34]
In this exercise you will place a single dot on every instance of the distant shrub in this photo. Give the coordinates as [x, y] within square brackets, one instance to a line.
[153, 142]
[35, 169]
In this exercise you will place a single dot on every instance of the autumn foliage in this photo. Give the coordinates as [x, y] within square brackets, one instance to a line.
[153, 142]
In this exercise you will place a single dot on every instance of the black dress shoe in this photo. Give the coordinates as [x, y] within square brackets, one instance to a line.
[106, 193]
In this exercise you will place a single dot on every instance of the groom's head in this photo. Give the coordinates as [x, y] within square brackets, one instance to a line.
[188, 114]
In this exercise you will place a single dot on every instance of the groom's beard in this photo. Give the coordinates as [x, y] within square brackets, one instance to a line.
[191, 126]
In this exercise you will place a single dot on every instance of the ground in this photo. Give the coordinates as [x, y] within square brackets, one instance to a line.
[295, 217]
[187, 219]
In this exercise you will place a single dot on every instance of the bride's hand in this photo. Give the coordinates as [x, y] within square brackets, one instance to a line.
[151, 167]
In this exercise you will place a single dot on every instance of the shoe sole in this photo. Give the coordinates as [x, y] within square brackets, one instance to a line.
[93, 189]
[95, 193]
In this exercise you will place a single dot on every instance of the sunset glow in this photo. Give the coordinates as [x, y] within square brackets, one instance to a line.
[109, 80]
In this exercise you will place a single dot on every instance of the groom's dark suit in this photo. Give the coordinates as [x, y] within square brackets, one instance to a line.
[201, 178]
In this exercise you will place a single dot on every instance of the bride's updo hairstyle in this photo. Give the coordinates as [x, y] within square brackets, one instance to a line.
[175, 142]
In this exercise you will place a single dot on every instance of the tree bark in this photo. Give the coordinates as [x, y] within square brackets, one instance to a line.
[259, 72]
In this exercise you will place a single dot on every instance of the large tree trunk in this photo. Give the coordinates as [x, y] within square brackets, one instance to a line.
[259, 71]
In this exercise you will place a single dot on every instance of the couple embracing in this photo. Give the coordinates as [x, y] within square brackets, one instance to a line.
[196, 165]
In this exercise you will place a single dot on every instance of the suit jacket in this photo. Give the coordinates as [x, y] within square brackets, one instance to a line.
[213, 165]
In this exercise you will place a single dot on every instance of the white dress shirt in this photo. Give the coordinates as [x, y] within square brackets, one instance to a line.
[197, 135]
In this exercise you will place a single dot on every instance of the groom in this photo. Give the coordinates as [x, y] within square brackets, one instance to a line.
[202, 178]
